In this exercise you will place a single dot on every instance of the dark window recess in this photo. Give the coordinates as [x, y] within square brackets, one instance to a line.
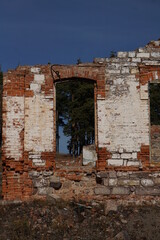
[155, 103]
[154, 90]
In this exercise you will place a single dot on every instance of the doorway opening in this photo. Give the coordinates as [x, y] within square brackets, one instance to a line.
[154, 91]
[75, 118]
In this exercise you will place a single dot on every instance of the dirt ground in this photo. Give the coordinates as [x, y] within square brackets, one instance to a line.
[59, 220]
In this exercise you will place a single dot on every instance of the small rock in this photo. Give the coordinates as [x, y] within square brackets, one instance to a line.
[119, 236]
[53, 197]
[103, 174]
[56, 185]
[106, 181]
[112, 181]
[147, 182]
[111, 205]
[123, 221]
[54, 179]
[120, 190]
[112, 174]
[102, 190]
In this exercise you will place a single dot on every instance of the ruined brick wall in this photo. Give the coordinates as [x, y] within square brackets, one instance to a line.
[28, 134]
[122, 129]
[124, 116]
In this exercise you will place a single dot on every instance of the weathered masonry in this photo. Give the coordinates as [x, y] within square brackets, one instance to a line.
[126, 143]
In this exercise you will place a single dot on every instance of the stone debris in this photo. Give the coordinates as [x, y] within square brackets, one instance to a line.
[59, 220]
[111, 205]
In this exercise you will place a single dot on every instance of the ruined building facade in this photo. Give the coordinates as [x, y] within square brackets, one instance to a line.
[126, 143]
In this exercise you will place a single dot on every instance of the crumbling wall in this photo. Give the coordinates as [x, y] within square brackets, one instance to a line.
[29, 136]
[124, 163]
[124, 116]
[28, 130]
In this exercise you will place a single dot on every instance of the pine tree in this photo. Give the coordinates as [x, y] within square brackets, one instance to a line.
[75, 110]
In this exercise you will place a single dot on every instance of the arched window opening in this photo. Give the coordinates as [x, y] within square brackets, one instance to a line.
[75, 119]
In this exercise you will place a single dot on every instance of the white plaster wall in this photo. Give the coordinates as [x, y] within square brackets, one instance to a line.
[14, 125]
[123, 118]
[39, 130]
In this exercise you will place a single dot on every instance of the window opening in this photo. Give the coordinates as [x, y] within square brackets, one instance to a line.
[74, 116]
[154, 90]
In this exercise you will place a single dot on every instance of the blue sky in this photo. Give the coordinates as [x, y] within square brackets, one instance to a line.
[61, 31]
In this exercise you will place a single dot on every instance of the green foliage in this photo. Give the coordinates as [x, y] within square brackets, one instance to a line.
[75, 112]
[79, 61]
[155, 103]
[113, 54]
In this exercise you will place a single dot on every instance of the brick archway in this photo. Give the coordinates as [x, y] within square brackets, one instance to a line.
[93, 71]
[87, 72]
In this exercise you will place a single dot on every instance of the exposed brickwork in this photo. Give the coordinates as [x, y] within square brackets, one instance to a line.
[143, 156]
[27, 129]
[148, 74]
[122, 131]
[124, 117]
[29, 124]
[103, 156]
[95, 72]
[13, 84]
